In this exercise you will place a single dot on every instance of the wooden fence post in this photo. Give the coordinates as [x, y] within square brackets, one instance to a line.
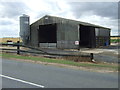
[91, 56]
[18, 47]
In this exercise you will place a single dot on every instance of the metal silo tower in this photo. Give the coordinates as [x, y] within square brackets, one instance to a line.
[25, 28]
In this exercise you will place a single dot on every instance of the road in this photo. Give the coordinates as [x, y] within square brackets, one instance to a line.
[19, 74]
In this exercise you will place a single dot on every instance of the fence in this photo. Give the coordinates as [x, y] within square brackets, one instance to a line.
[40, 51]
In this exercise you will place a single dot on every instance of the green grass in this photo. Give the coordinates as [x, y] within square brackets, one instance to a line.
[114, 40]
[67, 62]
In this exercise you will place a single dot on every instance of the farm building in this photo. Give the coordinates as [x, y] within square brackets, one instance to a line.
[51, 31]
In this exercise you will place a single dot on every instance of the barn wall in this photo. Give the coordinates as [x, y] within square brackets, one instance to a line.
[67, 34]
[34, 35]
[102, 32]
[102, 37]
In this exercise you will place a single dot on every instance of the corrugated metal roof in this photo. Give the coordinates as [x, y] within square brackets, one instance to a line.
[73, 21]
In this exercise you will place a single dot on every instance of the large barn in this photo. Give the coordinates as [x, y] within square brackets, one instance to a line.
[56, 32]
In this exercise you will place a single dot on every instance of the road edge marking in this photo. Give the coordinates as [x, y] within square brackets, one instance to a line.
[23, 81]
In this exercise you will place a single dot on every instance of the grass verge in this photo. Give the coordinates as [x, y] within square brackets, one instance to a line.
[115, 40]
[59, 61]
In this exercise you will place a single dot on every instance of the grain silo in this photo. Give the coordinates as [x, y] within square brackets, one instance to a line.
[24, 28]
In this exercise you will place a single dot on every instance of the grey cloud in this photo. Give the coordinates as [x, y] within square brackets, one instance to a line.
[8, 31]
[52, 5]
[12, 9]
[104, 9]
[41, 14]
[119, 10]
[6, 22]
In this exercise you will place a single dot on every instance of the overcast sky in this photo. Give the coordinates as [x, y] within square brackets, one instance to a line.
[100, 13]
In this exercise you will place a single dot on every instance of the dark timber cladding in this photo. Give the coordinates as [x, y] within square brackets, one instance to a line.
[50, 31]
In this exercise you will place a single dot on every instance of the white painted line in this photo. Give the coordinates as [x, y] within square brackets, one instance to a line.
[22, 81]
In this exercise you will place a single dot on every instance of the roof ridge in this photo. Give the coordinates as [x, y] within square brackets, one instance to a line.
[99, 26]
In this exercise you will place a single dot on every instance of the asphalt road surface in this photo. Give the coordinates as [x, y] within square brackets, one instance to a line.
[18, 74]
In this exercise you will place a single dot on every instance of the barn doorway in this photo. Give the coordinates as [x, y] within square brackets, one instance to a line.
[47, 35]
[87, 36]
